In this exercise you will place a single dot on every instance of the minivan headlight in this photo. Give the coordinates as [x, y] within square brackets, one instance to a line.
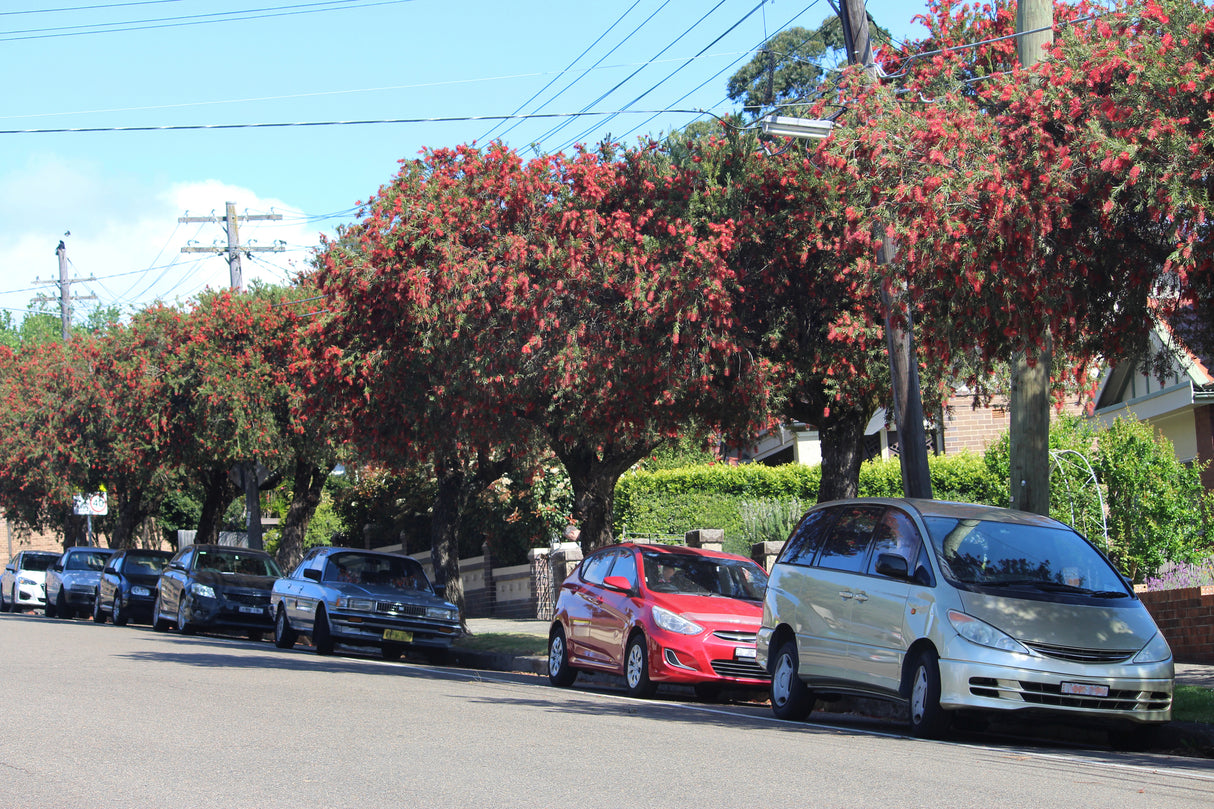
[673, 622]
[1156, 651]
[983, 634]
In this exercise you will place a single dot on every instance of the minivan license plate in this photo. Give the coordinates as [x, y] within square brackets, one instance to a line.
[398, 635]
[1085, 690]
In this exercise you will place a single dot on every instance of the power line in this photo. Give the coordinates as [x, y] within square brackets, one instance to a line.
[194, 19]
[630, 76]
[596, 65]
[86, 8]
[672, 74]
[569, 67]
[723, 70]
[437, 120]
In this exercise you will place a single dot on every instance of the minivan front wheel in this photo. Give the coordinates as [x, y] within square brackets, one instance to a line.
[927, 719]
[790, 699]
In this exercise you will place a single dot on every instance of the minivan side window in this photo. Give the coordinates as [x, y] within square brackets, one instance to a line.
[896, 534]
[847, 545]
[807, 537]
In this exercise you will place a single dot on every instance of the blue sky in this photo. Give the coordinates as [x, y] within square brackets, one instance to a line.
[96, 64]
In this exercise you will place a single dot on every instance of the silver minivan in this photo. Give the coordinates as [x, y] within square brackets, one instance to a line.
[956, 607]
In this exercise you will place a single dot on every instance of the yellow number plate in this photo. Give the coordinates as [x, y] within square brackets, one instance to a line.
[398, 635]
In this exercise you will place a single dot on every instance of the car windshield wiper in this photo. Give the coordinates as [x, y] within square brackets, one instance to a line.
[1055, 587]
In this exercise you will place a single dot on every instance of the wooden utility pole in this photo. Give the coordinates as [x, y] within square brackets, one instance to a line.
[249, 475]
[65, 293]
[900, 340]
[234, 248]
[1029, 405]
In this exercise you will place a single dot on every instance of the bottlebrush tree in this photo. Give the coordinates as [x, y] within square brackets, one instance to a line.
[1074, 196]
[805, 255]
[234, 382]
[47, 438]
[575, 296]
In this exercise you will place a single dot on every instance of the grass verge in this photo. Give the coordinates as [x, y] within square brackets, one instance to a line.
[1191, 703]
[504, 643]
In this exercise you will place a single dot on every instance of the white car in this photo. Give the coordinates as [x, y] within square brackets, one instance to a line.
[23, 585]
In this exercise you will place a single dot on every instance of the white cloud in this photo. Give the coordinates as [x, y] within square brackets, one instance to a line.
[125, 234]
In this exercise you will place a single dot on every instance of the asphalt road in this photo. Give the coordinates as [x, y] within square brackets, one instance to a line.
[99, 716]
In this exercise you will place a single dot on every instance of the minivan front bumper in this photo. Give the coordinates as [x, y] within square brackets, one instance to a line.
[1139, 693]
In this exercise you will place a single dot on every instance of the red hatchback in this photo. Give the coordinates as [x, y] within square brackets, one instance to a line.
[660, 613]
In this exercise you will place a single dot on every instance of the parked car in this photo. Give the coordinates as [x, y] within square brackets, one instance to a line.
[127, 588]
[953, 608]
[363, 598]
[216, 587]
[71, 581]
[658, 613]
[23, 584]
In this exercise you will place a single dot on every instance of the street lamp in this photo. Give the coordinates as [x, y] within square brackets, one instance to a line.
[790, 127]
[903, 363]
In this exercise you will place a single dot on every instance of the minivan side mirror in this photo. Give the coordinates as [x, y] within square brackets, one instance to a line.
[893, 565]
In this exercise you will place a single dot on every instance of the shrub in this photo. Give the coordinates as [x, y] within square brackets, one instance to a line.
[1174, 576]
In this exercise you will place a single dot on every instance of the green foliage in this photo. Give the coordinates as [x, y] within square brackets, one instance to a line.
[748, 501]
[788, 68]
[1156, 509]
[771, 520]
[689, 449]
[179, 511]
[1191, 703]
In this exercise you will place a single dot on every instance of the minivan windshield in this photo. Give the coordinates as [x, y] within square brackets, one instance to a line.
[990, 555]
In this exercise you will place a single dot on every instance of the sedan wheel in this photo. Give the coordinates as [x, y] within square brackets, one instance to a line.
[636, 669]
[62, 610]
[13, 606]
[98, 615]
[284, 635]
[116, 612]
[790, 699]
[560, 673]
[158, 622]
[321, 637]
[183, 626]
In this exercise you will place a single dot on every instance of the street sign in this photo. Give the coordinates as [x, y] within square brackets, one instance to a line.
[93, 505]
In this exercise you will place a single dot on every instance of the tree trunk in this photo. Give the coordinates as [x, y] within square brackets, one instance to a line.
[444, 537]
[309, 484]
[842, 439]
[220, 492]
[593, 474]
[132, 511]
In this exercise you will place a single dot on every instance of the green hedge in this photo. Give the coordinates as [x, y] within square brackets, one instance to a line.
[673, 501]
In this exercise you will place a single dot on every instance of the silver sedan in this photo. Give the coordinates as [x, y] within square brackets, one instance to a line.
[362, 598]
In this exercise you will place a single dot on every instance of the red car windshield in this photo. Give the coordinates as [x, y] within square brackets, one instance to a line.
[703, 575]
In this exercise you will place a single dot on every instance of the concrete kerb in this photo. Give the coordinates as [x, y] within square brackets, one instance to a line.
[1187, 738]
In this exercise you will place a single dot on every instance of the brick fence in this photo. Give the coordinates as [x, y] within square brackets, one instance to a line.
[1185, 616]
